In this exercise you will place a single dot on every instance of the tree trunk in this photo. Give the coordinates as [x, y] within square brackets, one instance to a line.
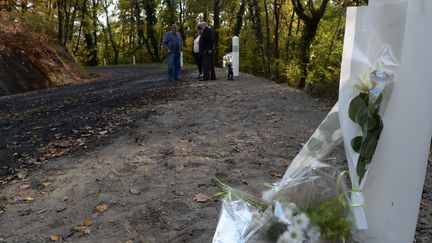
[239, 18]
[308, 35]
[78, 39]
[72, 21]
[95, 23]
[140, 28]
[150, 10]
[258, 32]
[109, 30]
[311, 23]
[216, 26]
[288, 40]
[181, 27]
[268, 66]
[60, 21]
[277, 6]
[91, 56]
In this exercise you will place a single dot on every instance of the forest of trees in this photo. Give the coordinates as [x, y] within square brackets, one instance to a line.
[295, 41]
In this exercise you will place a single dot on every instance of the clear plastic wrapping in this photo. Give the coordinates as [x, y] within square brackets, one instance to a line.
[307, 205]
[308, 208]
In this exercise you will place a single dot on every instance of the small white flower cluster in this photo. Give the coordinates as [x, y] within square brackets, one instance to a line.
[227, 59]
[299, 229]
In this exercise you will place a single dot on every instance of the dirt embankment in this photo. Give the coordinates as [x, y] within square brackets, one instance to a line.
[31, 61]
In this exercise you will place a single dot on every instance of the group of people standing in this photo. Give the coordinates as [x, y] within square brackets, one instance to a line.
[202, 50]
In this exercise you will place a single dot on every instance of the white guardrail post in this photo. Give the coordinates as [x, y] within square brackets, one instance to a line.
[235, 55]
[394, 187]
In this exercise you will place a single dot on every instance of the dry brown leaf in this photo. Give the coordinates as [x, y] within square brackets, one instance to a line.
[202, 198]
[86, 231]
[237, 171]
[134, 191]
[22, 174]
[47, 183]
[102, 207]
[87, 222]
[25, 186]
[80, 228]
[54, 237]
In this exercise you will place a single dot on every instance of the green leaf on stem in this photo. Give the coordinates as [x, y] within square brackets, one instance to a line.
[369, 145]
[356, 143]
[358, 110]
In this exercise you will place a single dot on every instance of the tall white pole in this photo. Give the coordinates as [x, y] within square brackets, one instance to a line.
[394, 188]
[396, 176]
[235, 55]
[133, 60]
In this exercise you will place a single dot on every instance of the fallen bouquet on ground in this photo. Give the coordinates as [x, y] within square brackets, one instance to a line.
[309, 208]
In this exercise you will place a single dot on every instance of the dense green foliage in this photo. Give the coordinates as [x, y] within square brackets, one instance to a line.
[330, 217]
[292, 41]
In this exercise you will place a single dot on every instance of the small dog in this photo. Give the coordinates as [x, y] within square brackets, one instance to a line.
[230, 71]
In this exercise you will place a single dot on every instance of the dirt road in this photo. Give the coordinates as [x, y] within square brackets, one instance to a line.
[122, 158]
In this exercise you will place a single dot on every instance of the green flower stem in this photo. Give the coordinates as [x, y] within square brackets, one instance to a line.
[364, 112]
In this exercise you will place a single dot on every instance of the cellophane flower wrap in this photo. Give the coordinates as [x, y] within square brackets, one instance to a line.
[227, 59]
[309, 204]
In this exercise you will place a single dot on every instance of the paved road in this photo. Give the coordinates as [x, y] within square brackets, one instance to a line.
[37, 125]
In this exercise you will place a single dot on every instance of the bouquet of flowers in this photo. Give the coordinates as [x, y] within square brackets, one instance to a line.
[362, 102]
[309, 204]
[227, 59]
[311, 208]
[312, 203]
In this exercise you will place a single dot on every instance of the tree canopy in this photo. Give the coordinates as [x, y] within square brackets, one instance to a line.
[293, 41]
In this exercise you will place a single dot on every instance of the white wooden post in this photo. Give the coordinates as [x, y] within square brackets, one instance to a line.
[133, 60]
[394, 188]
[181, 59]
[235, 55]
[395, 182]
[105, 62]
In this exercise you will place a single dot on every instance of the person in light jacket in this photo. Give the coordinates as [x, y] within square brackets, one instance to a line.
[195, 52]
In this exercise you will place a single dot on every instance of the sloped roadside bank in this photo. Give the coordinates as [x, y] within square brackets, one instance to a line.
[149, 173]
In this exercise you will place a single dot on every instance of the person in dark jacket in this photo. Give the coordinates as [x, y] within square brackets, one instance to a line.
[206, 50]
[173, 45]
